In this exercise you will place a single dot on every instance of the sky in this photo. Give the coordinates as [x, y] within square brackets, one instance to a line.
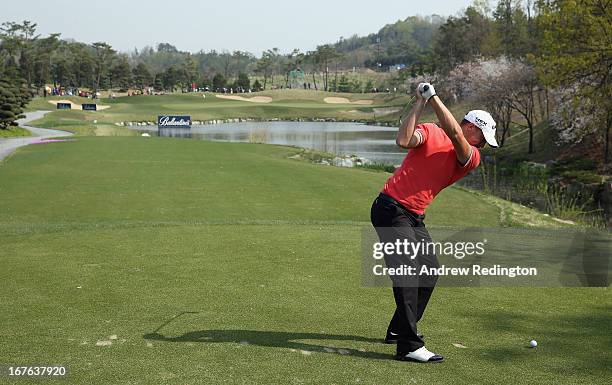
[223, 25]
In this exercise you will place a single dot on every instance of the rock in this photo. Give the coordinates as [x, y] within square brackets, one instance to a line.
[343, 162]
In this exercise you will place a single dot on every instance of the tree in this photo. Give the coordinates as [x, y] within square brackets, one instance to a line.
[188, 71]
[14, 95]
[343, 84]
[276, 62]
[293, 61]
[120, 73]
[9, 105]
[82, 58]
[511, 26]
[43, 50]
[325, 54]
[62, 72]
[170, 78]
[264, 66]
[257, 85]
[227, 62]
[521, 90]
[158, 84]
[461, 39]
[166, 47]
[219, 82]
[204, 81]
[239, 62]
[142, 76]
[337, 58]
[312, 57]
[355, 85]
[575, 54]
[103, 57]
[574, 117]
[20, 40]
[503, 86]
[243, 81]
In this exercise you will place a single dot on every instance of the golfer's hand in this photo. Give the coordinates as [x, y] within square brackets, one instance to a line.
[418, 92]
[426, 90]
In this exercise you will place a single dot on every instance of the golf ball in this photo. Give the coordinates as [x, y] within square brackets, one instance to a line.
[533, 343]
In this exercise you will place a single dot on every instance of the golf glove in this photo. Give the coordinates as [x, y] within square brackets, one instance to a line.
[426, 90]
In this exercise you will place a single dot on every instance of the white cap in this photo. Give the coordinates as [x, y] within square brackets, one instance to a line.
[484, 121]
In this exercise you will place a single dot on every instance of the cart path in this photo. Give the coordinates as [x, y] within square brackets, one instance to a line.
[8, 145]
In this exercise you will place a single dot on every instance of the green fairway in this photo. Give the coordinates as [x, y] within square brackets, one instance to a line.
[231, 263]
[287, 104]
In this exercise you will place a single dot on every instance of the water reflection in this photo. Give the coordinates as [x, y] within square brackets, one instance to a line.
[371, 142]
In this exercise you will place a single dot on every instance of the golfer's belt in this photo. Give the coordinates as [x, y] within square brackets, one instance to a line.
[391, 200]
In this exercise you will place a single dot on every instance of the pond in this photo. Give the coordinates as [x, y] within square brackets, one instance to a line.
[374, 143]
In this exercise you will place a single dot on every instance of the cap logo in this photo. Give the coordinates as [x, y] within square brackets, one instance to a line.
[480, 122]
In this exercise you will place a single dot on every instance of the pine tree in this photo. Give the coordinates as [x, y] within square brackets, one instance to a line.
[14, 96]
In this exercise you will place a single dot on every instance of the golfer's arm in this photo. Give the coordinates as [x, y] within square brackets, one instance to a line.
[405, 136]
[452, 129]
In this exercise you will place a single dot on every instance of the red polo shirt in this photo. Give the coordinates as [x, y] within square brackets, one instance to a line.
[428, 169]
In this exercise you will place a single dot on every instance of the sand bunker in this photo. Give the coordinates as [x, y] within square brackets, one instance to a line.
[255, 99]
[76, 106]
[386, 110]
[335, 100]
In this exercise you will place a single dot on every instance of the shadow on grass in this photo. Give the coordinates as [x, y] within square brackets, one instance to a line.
[582, 340]
[287, 340]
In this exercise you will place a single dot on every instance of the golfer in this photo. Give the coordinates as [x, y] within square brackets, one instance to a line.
[438, 157]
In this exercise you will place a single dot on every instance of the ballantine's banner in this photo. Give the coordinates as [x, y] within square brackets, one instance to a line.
[174, 121]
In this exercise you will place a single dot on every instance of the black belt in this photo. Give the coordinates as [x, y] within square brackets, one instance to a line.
[391, 200]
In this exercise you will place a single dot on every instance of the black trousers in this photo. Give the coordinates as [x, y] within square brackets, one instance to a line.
[393, 222]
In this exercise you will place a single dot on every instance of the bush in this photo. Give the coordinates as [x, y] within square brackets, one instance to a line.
[378, 166]
[573, 164]
[582, 176]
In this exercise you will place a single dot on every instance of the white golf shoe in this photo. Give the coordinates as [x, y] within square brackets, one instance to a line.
[420, 355]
